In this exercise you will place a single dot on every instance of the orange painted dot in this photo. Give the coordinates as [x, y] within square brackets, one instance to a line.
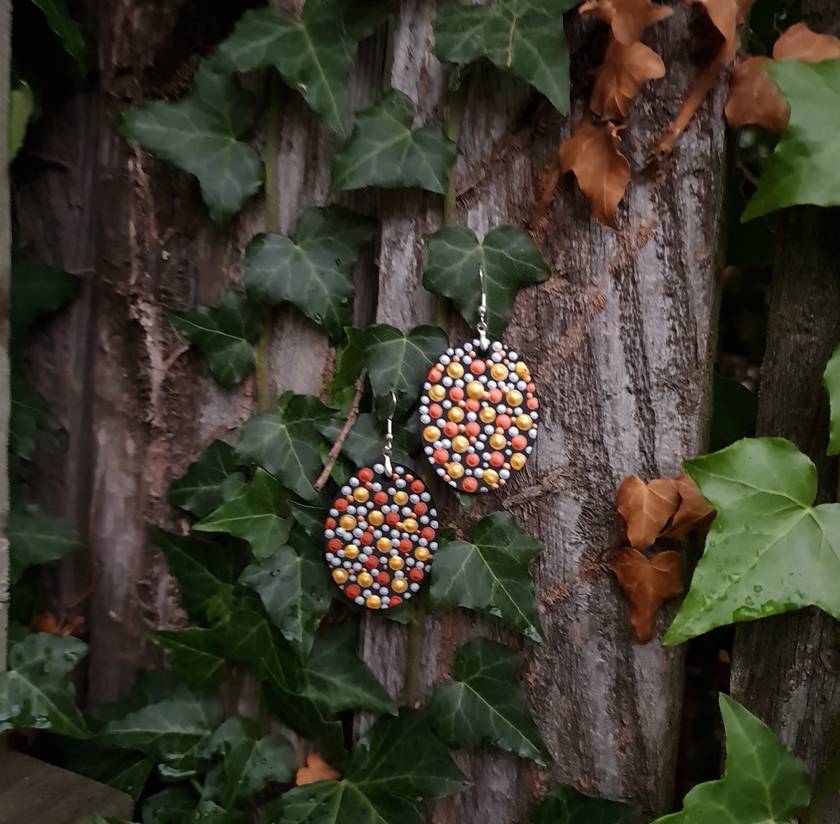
[470, 485]
[367, 538]
[372, 562]
[473, 405]
[496, 459]
[450, 429]
[366, 475]
[381, 498]
[405, 545]
[428, 533]
[383, 578]
[417, 574]
[394, 601]
[435, 411]
[456, 393]
[473, 460]
[518, 442]
[434, 375]
[495, 395]
[421, 508]
[531, 387]
[441, 456]
[334, 545]
[392, 518]
[477, 367]
[341, 504]
[472, 429]
[533, 404]
[330, 523]
[352, 591]
[503, 421]
[417, 486]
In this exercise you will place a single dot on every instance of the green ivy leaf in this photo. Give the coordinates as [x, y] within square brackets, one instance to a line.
[831, 382]
[21, 108]
[484, 703]
[762, 783]
[122, 769]
[67, 29]
[201, 135]
[257, 513]
[29, 414]
[208, 482]
[510, 259]
[399, 363]
[286, 443]
[525, 37]
[491, 574]
[294, 590]
[565, 805]
[309, 518]
[314, 270]
[364, 442]
[385, 151]
[769, 550]
[174, 805]
[805, 166]
[196, 653]
[205, 572]
[223, 333]
[37, 289]
[399, 762]
[35, 538]
[37, 691]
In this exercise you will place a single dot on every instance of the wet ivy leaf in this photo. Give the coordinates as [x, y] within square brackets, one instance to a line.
[122, 769]
[483, 703]
[37, 692]
[762, 783]
[565, 805]
[805, 166]
[769, 550]
[294, 590]
[491, 574]
[21, 108]
[831, 382]
[29, 414]
[510, 259]
[196, 653]
[525, 37]
[223, 333]
[208, 482]
[309, 518]
[364, 442]
[37, 289]
[68, 31]
[399, 762]
[399, 363]
[287, 443]
[36, 538]
[174, 805]
[205, 572]
[201, 135]
[257, 513]
[313, 270]
[349, 362]
[339, 680]
[385, 151]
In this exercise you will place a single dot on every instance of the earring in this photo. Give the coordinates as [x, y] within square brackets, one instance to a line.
[479, 411]
[381, 532]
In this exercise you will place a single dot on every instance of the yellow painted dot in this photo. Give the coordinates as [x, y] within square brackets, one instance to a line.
[498, 372]
[364, 579]
[455, 370]
[373, 602]
[409, 525]
[340, 576]
[517, 461]
[487, 414]
[514, 398]
[455, 470]
[399, 585]
[395, 562]
[475, 390]
[361, 494]
[347, 522]
[524, 421]
[497, 441]
[437, 392]
[375, 518]
[460, 443]
[383, 544]
[401, 497]
[431, 434]
[422, 554]
[456, 414]
[351, 551]
[490, 477]
[522, 371]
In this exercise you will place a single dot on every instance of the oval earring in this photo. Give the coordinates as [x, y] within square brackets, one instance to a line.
[479, 412]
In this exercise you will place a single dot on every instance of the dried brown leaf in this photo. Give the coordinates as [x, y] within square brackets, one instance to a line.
[628, 19]
[646, 508]
[800, 43]
[51, 624]
[693, 513]
[647, 583]
[602, 172]
[626, 68]
[316, 769]
[754, 99]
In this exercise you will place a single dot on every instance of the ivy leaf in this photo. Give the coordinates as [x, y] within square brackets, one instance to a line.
[762, 783]
[257, 514]
[37, 692]
[208, 482]
[174, 805]
[385, 151]
[29, 414]
[565, 805]
[223, 333]
[122, 769]
[287, 442]
[339, 680]
[769, 550]
[315, 269]
[364, 442]
[201, 135]
[805, 166]
[525, 37]
[205, 572]
[510, 260]
[490, 574]
[484, 704]
[294, 590]
[196, 653]
[399, 363]
[308, 517]
[21, 109]
[67, 29]
[831, 382]
[35, 538]
[37, 289]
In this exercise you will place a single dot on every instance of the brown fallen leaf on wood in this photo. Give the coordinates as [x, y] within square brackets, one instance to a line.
[52, 624]
[754, 99]
[628, 19]
[316, 769]
[726, 16]
[801, 43]
[693, 513]
[626, 68]
[602, 171]
[646, 508]
[647, 583]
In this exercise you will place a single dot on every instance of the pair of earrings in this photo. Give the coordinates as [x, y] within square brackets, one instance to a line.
[479, 415]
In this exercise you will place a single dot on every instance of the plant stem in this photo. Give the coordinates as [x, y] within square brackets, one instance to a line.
[414, 650]
[344, 432]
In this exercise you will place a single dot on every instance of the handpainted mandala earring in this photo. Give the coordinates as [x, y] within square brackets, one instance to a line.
[381, 532]
[479, 411]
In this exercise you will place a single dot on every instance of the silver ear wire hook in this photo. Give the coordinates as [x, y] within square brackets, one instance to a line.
[388, 450]
[482, 310]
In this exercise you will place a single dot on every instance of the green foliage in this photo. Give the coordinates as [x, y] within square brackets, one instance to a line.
[315, 269]
[491, 573]
[363, 444]
[510, 259]
[223, 333]
[565, 805]
[37, 693]
[769, 550]
[35, 538]
[525, 37]
[831, 382]
[29, 414]
[384, 150]
[124, 770]
[762, 784]
[208, 482]
[37, 289]
[201, 135]
[196, 653]
[805, 167]
[68, 31]
[21, 108]
[484, 704]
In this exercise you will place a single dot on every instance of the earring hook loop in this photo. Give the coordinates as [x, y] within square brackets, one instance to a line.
[482, 310]
[388, 449]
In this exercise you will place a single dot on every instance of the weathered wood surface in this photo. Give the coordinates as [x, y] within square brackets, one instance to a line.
[32, 791]
[619, 340]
